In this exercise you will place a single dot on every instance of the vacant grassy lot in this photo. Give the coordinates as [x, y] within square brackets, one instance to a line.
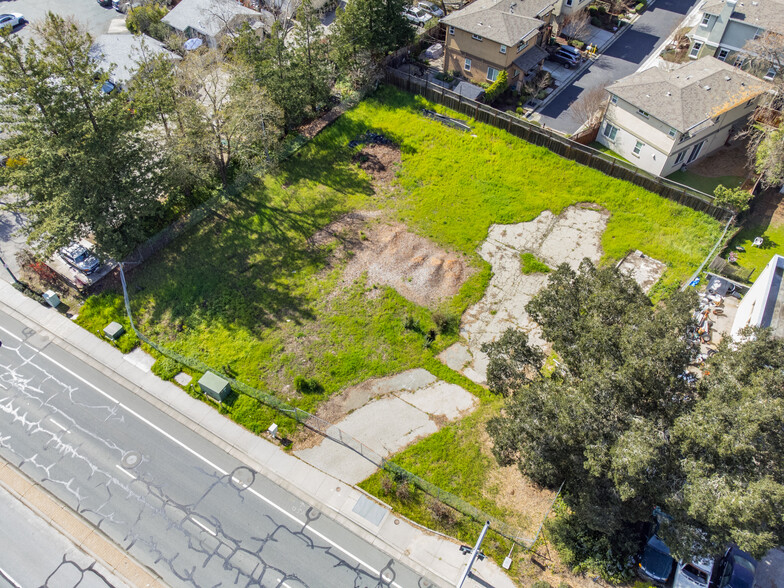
[249, 293]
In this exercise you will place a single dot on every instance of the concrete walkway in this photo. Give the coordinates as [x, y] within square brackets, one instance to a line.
[418, 548]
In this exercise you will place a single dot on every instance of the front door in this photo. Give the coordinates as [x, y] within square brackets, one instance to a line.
[695, 152]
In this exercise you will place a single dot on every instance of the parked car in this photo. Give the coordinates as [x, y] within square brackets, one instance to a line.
[569, 49]
[80, 258]
[416, 15]
[11, 19]
[693, 574]
[431, 8]
[108, 87]
[105, 3]
[125, 5]
[656, 563]
[736, 569]
[565, 58]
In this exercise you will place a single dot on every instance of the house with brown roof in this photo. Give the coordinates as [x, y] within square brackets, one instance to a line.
[490, 36]
[661, 120]
[727, 25]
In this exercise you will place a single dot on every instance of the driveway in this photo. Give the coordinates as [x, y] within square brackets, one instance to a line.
[621, 59]
[97, 20]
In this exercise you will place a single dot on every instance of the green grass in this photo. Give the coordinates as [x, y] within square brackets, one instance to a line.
[529, 264]
[604, 149]
[704, 183]
[758, 257]
[247, 293]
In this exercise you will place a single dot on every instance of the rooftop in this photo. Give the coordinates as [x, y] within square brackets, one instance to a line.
[502, 21]
[121, 54]
[207, 16]
[765, 14]
[689, 95]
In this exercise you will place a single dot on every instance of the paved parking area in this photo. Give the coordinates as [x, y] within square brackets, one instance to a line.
[622, 58]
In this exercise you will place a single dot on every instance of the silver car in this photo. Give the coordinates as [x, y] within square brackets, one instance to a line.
[431, 8]
[416, 15]
[11, 19]
[693, 574]
[80, 258]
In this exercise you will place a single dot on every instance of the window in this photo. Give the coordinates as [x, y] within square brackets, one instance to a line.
[672, 132]
[521, 45]
[467, 66]
[695, 49]
[680, 156]
[771, 74]
[568, 2]
[739, 61]
[723, 54]
[516, 73]
[476, 37]
[492, 74]
[638, 147]
[451, 30]
[705, 20]
[503, 49]
[641, 112]
[610, 131]
[614, 99]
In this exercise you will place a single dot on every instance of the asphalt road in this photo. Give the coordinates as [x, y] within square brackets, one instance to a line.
[32, 550]
[171, 499]
[623, 58]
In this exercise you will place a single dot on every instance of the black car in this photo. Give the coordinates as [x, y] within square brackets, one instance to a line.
[564, 57]
[735, 570]
[105, 3]
[656, 563]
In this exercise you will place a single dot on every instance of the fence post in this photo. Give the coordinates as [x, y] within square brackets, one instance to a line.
[612, 167]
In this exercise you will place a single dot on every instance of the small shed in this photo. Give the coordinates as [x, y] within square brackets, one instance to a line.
[215, 386]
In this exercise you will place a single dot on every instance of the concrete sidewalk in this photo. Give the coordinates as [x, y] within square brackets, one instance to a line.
[431, 554]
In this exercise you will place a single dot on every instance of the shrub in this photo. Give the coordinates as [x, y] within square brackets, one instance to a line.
[403, 492]
[497, 88]
[593, 10]
[519, 110]
[446, 322]
[530, 265]
[307, 385]
[640, 8]
[596, 22]
[736, 199]
[541, 584]
[602, 9]
[441, 512]
[577, 44]
[146, 19]
[387, 484]
[166, 368]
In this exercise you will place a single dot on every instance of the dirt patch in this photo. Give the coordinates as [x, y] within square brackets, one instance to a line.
[725, 161]
[380, 162]
[767, 209]
[389, 255]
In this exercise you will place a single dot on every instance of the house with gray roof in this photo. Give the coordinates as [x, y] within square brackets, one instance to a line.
[490, 36]
[727, 25]
[209, 20]
[120, 54]
[662, 120]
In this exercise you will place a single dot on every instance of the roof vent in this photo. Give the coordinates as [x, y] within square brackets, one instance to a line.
[688, 77]
[669, 93]
[755, 3]
[727, 78]
[706, 87]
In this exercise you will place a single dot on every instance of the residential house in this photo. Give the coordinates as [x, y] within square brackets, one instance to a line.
[568, 7]
[490, 36]
[121, 53]
[209, 20]
[725, 27]
[662, 120]
[763, 304]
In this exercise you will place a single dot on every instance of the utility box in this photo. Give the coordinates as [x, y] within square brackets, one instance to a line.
[214, 386]
[52, 298]
[113, 330]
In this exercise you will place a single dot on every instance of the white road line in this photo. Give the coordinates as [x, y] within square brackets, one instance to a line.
[205, 527]
[56, 424]
[201, 457]
[5, 575]
[124, 471]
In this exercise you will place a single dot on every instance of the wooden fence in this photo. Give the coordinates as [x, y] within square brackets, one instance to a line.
[562, 146]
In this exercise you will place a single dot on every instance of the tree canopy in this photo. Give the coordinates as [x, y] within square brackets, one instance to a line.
[626, 425]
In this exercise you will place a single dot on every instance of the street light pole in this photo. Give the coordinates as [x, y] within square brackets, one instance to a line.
[10, 273]
[474, 553]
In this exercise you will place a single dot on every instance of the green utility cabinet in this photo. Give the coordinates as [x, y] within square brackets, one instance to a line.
[214, 386]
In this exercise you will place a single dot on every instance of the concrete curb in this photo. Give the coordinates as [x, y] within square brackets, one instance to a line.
[68, 523]
[427, 553]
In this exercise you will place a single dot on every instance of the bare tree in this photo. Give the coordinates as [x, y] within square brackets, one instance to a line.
[589, 106]
[765, 52]
[576, 25]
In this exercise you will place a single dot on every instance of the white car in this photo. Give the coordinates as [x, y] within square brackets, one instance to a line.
[416, 15]
[431, 8]
[693, 574]
[11, 19]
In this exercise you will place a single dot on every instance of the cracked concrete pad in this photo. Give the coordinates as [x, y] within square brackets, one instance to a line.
[645, 270]
[456, 356]
[566, 238]
[441, 399]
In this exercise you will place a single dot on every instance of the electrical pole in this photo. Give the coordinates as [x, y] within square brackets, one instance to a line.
[474, 553]
[8, 269]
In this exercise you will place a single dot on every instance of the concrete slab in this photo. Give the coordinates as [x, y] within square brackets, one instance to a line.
[441, 398]
[456, 356]
[183, 379]
[140, 359]
[645, 270]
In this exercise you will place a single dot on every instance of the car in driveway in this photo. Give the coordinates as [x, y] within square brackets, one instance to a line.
[693, 574]
[656, 563]
[431, 8]
[565, 58]
[736, 569]
[12, 19]
[416, 15]
[105, 3]
[80, 258]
